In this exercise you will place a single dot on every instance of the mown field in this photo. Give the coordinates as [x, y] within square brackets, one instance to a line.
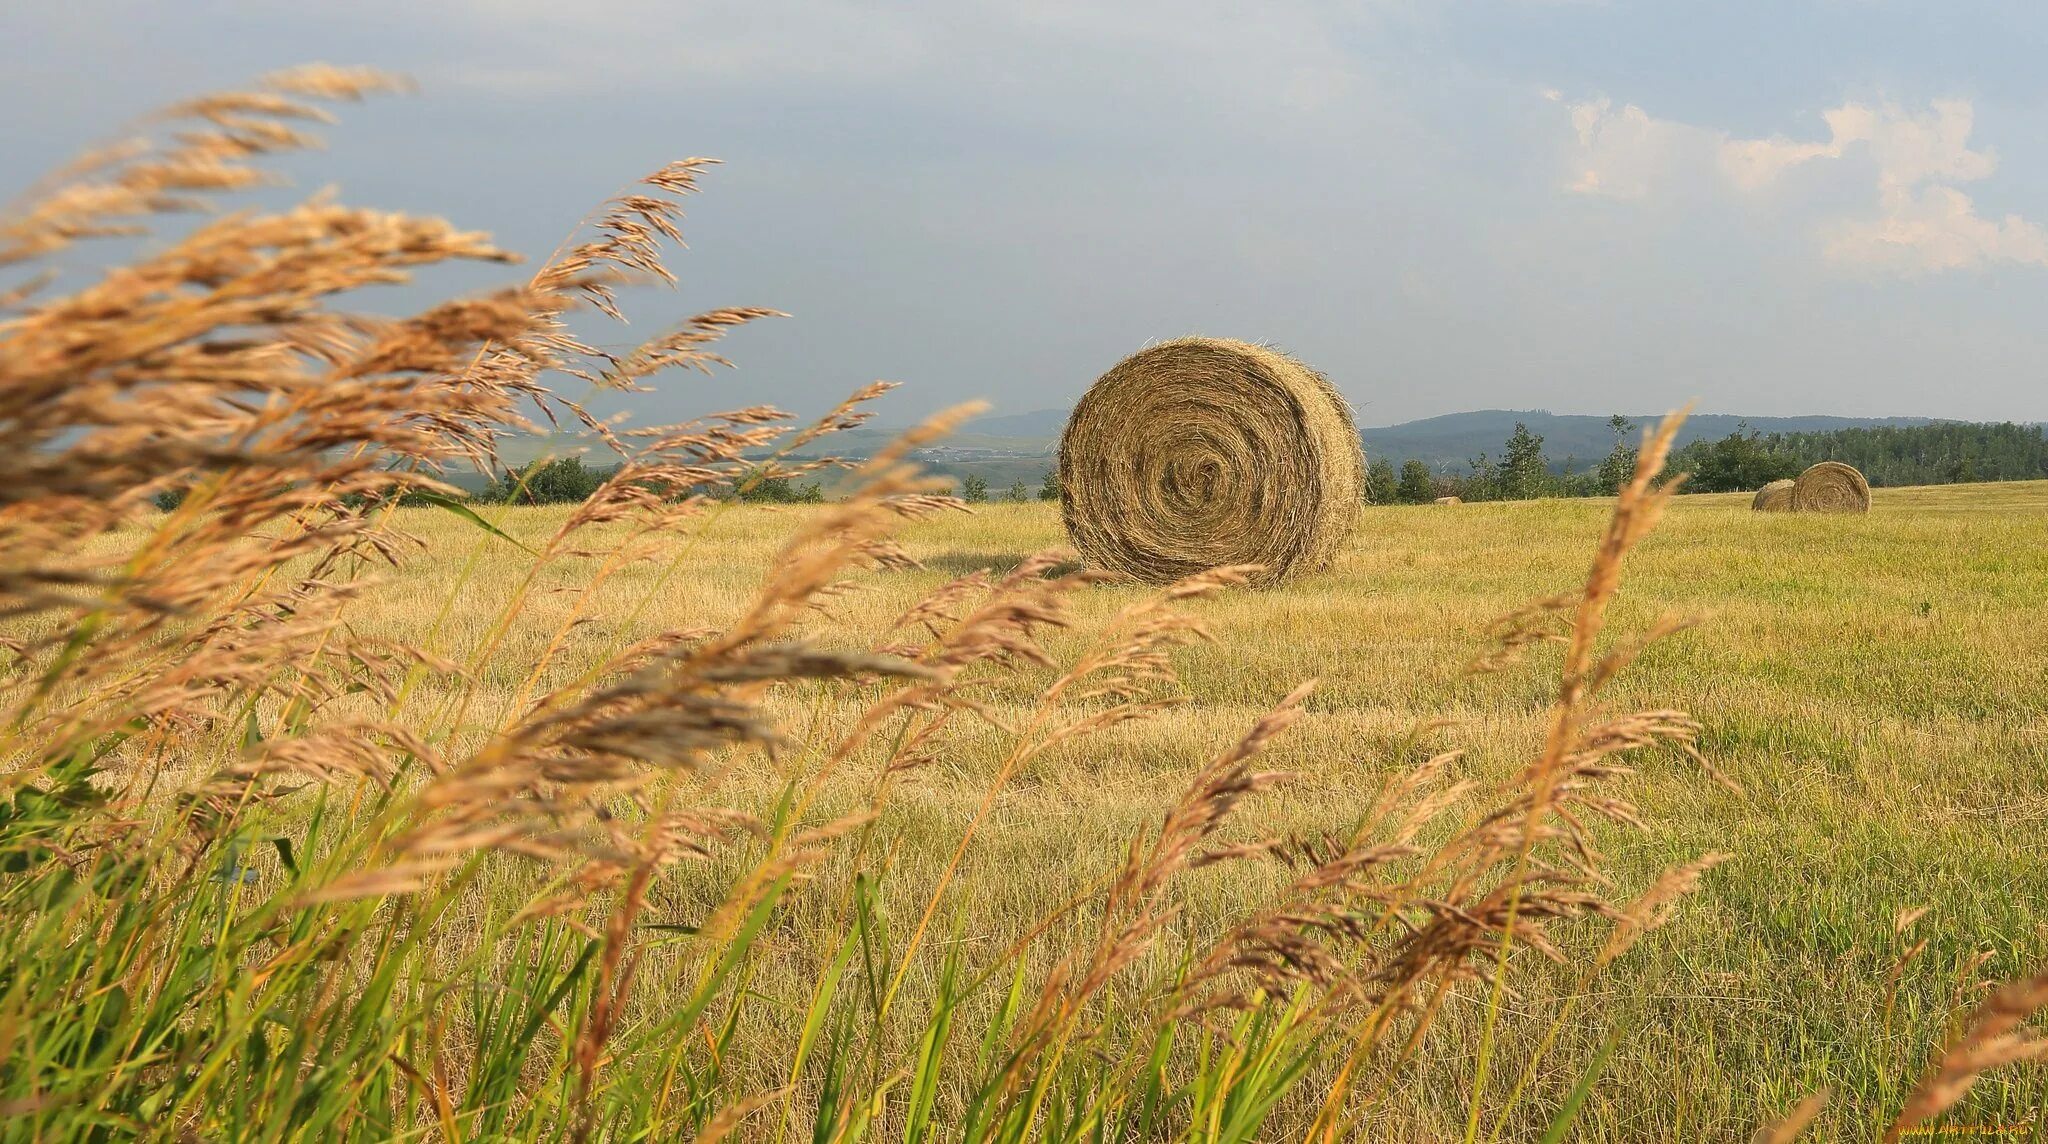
[323, 818]
[1877, 686]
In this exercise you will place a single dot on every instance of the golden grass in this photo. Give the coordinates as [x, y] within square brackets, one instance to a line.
[582, 818]
[1888, 738]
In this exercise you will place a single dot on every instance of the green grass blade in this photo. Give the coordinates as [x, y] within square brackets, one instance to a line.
[456, 507]
[1568, 1112]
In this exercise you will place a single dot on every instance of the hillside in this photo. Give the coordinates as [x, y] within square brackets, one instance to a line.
[1452, 439]
[1455, 438]
[1019, 446]
[1008, 448]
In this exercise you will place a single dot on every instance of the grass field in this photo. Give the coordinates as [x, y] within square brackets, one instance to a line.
[323, 818]
[1876, 686]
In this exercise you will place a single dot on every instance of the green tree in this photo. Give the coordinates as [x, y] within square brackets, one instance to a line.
[1380, 482]
[1620, 464]
[1889, 455]
[974, 488]
[1739, 462]
[1483, 483]
[1416, 485]
[1522, 473]
[1019, 492]
[1049, 488]
[564, 480]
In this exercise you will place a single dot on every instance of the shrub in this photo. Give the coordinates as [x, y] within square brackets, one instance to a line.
[1739, 462]
[759, 489]
[562, 480]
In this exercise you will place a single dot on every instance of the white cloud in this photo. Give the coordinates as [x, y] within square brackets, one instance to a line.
[1936, 228]
[1622, 154]
[1922, 221]
[1752, 164]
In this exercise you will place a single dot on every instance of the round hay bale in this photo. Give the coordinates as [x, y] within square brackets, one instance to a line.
[1831, 486]
[1448, 500]
[1203, 452]
[1773, 497]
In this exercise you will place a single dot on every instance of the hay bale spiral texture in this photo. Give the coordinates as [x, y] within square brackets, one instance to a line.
[1203, 452]
[1831, 486]
[1773, 497]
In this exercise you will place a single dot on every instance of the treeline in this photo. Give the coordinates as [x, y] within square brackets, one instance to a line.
[1946, 452]
[973, 489]
[1520, 472]
[567, 480]
[1939, 453]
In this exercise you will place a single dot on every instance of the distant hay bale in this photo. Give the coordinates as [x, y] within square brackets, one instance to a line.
[1449, 500]
[1773, 497]
[1831, 486]
[1203, 452]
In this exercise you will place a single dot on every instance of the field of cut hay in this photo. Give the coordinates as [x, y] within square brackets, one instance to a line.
[333, 808]
[1875, 685]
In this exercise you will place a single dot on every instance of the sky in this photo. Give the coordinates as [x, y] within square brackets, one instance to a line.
[1768, 207]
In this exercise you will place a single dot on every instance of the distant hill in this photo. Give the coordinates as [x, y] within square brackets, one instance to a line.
[1449, 441]
[1452, 440]
[1039, 423]
[1009, 448]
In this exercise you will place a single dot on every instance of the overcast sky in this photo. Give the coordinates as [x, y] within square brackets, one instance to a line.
[1773, 207]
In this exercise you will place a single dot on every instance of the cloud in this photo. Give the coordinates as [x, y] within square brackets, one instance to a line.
[1922, 222]
[1623, 154]
[1936, 228]
[1753, 164]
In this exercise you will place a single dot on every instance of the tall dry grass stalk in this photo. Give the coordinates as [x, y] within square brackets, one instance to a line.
[207, 662]
[1994, 1037]
[461, 941]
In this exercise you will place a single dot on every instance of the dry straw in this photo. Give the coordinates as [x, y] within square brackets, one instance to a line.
[1203, 453]
[1831, 486]
[1773, 497]
[1450, 500]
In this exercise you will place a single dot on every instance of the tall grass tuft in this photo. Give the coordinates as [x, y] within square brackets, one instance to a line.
[264, 877]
